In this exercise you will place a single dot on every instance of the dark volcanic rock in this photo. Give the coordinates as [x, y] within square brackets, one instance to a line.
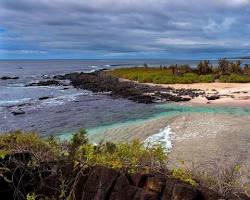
[92, 183]
[18, 112]
[44, 83]
[9, 78]
[100, 81]
[45, 98]
[214, 97]
[99, 183]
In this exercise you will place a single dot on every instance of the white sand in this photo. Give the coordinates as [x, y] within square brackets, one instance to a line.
[203, 140]
[237, 94]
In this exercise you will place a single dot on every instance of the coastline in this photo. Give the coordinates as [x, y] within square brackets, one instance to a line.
[204, 140]
[230, 94]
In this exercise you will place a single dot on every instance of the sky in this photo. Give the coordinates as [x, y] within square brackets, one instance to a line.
[124, 29]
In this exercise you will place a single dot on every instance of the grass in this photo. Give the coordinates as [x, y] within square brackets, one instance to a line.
[165, 76]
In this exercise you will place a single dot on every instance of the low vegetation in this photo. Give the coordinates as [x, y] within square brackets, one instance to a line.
[132, 157]
[205, 72]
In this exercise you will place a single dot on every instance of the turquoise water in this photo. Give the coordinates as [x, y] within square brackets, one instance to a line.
[170, 110]
[179, 109]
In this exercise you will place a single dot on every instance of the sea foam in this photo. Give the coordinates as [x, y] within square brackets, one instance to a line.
[163, 138]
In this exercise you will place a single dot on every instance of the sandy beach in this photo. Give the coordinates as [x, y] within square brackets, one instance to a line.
[234, 94]
[203, 140]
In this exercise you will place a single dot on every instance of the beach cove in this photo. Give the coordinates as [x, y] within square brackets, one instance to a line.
[206, 138]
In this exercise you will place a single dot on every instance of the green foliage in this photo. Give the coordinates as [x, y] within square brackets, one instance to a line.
[235, 78]
[132, 156]
[206, 78]
[31, 196]
[183, 175]
[226, 72]
[187, 78]
[3, 153]
[160, 76]
[156, 75]
[32, 142]
[79, 138]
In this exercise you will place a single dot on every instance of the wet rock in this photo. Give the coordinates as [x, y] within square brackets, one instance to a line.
[9, 78]
[65, 88]
[45, 83]
[45, 97]
[18, 112]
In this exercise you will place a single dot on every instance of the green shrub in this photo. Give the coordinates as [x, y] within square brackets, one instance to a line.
[17, 141]
[79, 139]
[132, 156]
[206, 78]
[236, 78]
[154, 75]
[183, 175]
[187, 78]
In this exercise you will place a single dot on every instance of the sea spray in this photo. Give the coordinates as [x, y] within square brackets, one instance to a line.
[163, 138]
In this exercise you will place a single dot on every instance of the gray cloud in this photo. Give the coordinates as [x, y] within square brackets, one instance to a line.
[118, 27]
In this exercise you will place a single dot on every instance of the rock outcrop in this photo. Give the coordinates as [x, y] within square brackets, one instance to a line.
[44, 83]
[100, 81]
[61, 178]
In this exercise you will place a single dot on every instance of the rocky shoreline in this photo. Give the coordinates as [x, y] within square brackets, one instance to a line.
[100, 81]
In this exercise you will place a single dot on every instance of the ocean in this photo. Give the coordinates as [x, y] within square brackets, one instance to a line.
[69, 109]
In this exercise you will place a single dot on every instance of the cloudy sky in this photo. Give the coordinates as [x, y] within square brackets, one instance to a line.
[124, 28]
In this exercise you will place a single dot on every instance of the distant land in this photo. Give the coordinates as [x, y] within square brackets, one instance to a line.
[240, 57]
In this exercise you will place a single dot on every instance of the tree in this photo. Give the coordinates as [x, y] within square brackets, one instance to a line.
[223, 66]
[246, 69]
[79, 138]
[204, 67]
[235, 67]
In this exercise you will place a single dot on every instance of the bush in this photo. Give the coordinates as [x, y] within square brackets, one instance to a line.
[43, 149]
[236, 78]
[206, 78]
[182, 76]
[132, 156]
[183, 175]
[155, 75]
